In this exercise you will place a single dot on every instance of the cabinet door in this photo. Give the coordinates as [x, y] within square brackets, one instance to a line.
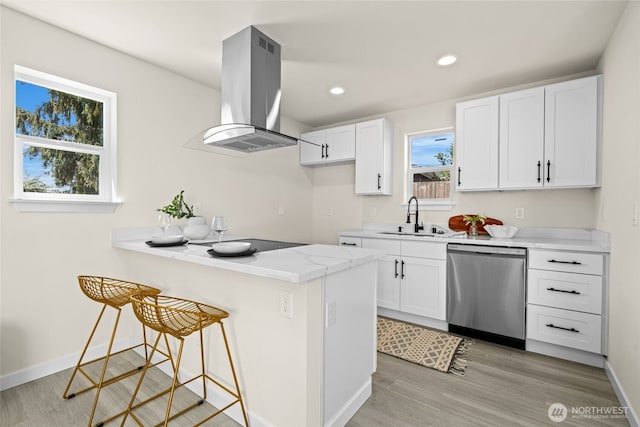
[477, 144]
[572, 133]
[373, 153]
[389, 282]
[312, 147]
[340, 143]
[423, 287]
[522, 139]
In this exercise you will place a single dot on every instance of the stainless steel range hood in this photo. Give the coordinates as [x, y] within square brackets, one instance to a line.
[250, 102]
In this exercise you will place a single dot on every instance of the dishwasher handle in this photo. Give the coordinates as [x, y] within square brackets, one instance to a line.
[485, 250]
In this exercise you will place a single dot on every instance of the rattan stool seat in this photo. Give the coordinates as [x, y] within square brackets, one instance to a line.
[113, 293]
[174, 316]
[180, 317]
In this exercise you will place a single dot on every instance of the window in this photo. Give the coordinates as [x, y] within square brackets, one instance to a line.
[429, 167]
[64, 141]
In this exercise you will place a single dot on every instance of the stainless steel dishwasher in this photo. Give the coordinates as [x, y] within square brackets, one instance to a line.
[486, 293]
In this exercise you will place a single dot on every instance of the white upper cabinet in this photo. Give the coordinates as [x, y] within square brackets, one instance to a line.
[572, 133]
[548, 137]
[477, 144]
[522, 138]
[328, 146]
[373, 157]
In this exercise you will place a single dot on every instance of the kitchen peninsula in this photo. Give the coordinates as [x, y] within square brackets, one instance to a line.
[312, 368]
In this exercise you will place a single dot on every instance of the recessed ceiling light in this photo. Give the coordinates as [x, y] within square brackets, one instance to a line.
[336, 90]
[447, 60]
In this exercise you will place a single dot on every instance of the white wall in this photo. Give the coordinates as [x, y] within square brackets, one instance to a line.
[44, 316]
[334, 187]
[620, 191]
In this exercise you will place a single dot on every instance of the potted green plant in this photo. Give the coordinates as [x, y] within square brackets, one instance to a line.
[471, 221]
[196, 227]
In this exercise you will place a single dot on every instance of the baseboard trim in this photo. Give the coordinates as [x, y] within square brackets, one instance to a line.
[345, 413]
[632, 417]
[566, 353]
[413, 318]
[41, 370]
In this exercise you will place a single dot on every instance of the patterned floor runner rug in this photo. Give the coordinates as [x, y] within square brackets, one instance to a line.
[427, 347]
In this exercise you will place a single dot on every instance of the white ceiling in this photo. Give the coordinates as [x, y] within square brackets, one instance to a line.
[382, 52]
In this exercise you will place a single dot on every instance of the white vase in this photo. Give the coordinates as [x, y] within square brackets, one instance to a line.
[196, 228]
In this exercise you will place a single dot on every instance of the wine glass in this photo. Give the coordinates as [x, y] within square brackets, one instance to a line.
[165, 221]
[219, 226]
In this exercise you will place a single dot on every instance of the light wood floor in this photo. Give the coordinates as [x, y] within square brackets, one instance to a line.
[502, 387]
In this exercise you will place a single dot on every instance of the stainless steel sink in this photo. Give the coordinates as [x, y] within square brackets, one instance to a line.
[406, 233]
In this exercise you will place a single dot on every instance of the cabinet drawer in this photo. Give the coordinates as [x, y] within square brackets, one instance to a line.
[581, 331]
[355, 242]
[580, 292]
[391, 247]
[424, 250]
[571, 262]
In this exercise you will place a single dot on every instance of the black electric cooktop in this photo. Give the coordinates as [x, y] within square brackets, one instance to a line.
[265, 245]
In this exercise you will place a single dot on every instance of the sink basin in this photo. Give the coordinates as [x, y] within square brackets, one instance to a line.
[407, 233]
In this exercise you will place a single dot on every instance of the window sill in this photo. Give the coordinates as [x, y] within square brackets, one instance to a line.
[75, 206]
[425, 205]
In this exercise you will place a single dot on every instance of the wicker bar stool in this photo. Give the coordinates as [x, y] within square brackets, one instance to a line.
[180, 318]
[112, 293]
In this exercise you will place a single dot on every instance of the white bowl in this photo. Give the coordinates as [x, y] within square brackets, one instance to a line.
[501, 231]
[231, 247]
[175, 238]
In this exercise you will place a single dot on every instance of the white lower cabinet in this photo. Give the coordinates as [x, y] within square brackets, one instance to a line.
[411, 277]
[565, 299]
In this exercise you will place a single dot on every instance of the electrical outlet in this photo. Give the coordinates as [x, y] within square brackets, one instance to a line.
[331, 313]
[329, 211]
[373, 211]
[280, 210]
[634, 218]
[286, 304]
[519, 213]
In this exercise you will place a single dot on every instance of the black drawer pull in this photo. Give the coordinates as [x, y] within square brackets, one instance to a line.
[326, 151]
[396, 269]
[538, 170]
[563, 291]
[348, 244]
[565, 262]
[551, 325]
[459, 173]
[322, 151]
[379, 184]
[402, 270]
[548, 170]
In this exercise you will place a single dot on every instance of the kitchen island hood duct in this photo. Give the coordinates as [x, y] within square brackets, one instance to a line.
[250, 102]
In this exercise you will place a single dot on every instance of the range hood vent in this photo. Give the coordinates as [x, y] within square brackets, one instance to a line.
[250, 99]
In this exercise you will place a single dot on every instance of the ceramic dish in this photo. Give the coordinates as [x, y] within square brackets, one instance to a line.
[164, 245]
[501, 231]
[247, 252]
[231, 247]
[174, 238]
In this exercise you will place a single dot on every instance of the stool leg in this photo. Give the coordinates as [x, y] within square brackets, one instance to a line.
[142, 375]
[233, 372]
[104, 367]
[174, 382]
[84, 351]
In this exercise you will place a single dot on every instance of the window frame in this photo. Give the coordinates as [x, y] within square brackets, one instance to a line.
[29, 201]
[428, 204]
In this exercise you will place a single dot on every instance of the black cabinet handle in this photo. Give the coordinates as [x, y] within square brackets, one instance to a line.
[551, 325]
[548, 170]
[563, 291]
[459, 171]
[326, 151]
[564, 262]
[396, 269]
[379, 185]
[402, 270]
[348, 244]
[539, 170]
[322, 155]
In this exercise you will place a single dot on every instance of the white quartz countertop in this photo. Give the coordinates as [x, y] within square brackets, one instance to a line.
[298, 264]
[580, 240]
